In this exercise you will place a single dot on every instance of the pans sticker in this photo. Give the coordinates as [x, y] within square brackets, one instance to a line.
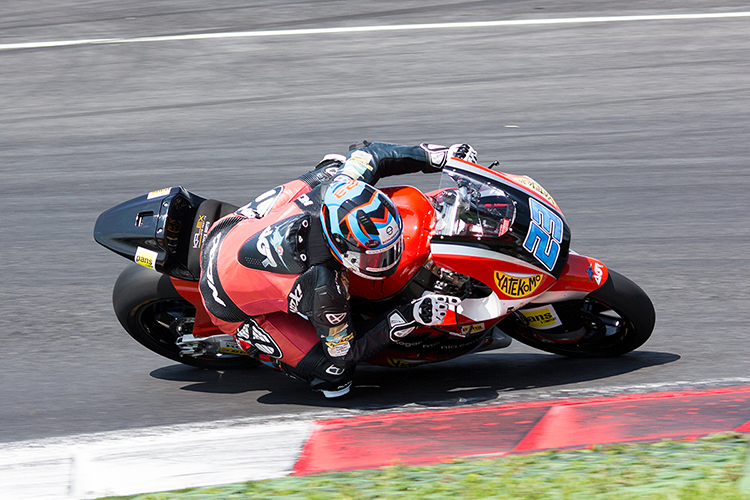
[158, 193]
[519, 285]
[542, 318]
[146, 258]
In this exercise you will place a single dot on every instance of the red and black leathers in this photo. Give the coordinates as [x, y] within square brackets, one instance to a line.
[268, 276]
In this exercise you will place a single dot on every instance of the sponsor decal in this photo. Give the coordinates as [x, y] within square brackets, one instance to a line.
[545, 234]
[272, 248]
[339, 351]
[400, 363]
[261, 205]
[146, 258]
[253, 334]
[519, 285]
[396, 319]
[398, 328]
[335, 319]
[530, 183]
[469, 329]
[542, 318]
[232, 350]
[595, 273]
[463, 344]
[339, 338]
[202, 227]
[334, 370]
[158, 193]
[362, 156]
[210, 272]
[345, 282]
[408, 344]
[438, 157]
[294, 299]
[357, 164]
[264, 246]
[398, 334]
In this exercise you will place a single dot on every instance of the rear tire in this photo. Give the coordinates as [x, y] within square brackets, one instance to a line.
[618, 317]
[147, 304]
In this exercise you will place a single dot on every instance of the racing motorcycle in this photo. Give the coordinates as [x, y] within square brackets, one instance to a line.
[498, 241]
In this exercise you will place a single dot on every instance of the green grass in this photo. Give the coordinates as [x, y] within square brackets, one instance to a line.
[705, 469]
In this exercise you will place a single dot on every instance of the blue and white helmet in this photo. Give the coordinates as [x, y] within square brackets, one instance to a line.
[363, 228]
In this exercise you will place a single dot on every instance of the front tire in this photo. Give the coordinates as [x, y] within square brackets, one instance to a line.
[149, 308]
[616, 318]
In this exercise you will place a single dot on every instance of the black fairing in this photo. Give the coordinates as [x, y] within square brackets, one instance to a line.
[512, 242]
[159, 221]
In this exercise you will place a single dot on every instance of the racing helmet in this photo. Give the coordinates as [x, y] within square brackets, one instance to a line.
[363, 228]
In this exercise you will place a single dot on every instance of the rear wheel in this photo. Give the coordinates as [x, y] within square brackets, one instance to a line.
[154, 314]
[616, 318]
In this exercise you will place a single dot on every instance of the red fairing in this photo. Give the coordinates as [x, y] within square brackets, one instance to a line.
[510, 279]
[419, 225]
[203, 326]
[581, 274]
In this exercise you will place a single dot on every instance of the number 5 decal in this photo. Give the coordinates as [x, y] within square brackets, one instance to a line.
[545, 234]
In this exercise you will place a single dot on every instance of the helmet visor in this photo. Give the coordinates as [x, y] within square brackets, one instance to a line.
[378, 263]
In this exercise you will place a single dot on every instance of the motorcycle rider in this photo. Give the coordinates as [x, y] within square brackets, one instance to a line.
[274, 274]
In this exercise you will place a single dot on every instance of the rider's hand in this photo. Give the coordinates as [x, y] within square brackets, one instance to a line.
[437, 155]
[463, 152]
[431, 309]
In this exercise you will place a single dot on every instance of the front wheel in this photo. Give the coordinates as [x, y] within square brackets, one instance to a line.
[151, 311]
[614, 319]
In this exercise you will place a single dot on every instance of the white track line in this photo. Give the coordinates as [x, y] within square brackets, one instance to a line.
[369, 29]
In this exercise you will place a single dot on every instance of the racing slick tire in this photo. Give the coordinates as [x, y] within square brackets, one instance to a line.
[614, 319]
[148, 307]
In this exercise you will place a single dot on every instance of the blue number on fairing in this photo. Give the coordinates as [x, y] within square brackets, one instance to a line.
[545, 234]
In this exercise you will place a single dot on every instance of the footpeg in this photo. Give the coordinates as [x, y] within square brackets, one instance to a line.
[206, 346]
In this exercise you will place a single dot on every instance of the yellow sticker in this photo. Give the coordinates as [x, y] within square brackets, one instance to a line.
[146, 258]
[530, 183]
[158, 193]
[542, 318]
[517, 286]
[232, 350]
[465, 330]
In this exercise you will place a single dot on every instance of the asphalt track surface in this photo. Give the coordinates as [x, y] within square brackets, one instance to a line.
[639, 129]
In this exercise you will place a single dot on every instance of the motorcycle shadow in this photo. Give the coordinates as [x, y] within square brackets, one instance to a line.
[468, 380]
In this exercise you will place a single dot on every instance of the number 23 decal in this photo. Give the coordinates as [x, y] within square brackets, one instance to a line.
[545, 234]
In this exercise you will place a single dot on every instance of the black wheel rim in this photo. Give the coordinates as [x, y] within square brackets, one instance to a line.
[604, 328]
[155, 319]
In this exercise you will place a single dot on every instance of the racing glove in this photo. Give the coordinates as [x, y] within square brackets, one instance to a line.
[428, 310]
[437, 155]
[463, 152]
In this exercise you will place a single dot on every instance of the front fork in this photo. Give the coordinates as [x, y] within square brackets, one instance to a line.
[555, 316]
